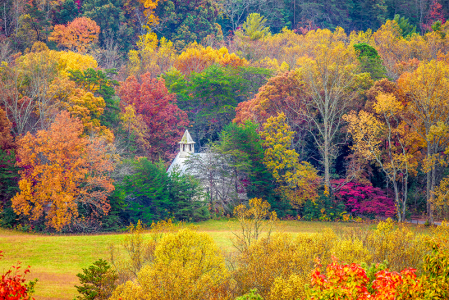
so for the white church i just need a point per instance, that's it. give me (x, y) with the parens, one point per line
(186, 149)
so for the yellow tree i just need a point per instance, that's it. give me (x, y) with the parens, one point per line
(329, 79)
(60, 171)
(427, 112)
(152, 55)
(296, 181)
(382, 137)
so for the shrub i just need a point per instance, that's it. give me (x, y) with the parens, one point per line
(343, 281)
(187, 265)
(97, 282)
(361, 199)
(13, 284)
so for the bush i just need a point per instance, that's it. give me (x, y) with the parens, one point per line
(361, 199)
(97, 282)
(187, 265)
(13, 284)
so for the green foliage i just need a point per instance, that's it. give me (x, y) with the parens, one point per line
(147, 196)
(184, 22)
(243, 145)
(113, 20)
(210, 97)
(153, 195)
(407, 29)
(185, 193)
(97, 281)
(65, 12)
(370, 61)
(323, 209)
(254, 28)
(252, 295)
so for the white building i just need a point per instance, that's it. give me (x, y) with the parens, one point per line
(186, 149)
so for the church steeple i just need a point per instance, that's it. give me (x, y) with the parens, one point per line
(187, 145)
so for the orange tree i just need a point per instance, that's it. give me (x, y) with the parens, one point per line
(62, 171)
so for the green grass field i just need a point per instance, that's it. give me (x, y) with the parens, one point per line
(56, 259)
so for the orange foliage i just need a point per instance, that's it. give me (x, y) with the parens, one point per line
(351, 282)
(77, 35)
(61, 169)
(282, 94)
(6, 140)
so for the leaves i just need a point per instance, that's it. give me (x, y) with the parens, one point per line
(62, 170)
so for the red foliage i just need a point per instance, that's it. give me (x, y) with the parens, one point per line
(351, 282)
(166, 122)
(12, 284)
(364, 199)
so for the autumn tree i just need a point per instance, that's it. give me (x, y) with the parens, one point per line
(159, 111)
(427, 112)
(385, 139)
(210, 97)
(78, 35)
(62, 172)
(152, 55)
(329, 79)
(296, 181)
(196, 58)
(8, 170)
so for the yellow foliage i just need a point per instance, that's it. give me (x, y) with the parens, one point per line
(297, 181)
(196, 58)
(188, 265)
(152, 55)
(253, 220)
(397, 245)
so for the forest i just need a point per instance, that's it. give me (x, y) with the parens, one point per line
(328, 112)
(309, 112)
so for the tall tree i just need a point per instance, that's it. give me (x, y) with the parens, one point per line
(61, 172)
(428, 114)
(384, 138)
(296, 181)
(165, 121)
(78, 35)
(329, 80)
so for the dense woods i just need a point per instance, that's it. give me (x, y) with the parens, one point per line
(328, 111)
(297, 110)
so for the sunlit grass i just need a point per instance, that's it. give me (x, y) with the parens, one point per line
(56, 259)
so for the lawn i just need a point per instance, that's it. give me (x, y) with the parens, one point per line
(56, 259)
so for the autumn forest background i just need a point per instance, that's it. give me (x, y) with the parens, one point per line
(303, 110)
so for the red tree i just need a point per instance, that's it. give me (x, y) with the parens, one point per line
(165, 121)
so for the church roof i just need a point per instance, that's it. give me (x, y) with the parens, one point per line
(186, 138)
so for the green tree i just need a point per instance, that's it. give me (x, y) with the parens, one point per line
(210, 97)
(254, 28)
(184, 22)
(244, 146)
(370, 61)
(186, 194)
(147, 195)
(407, 29)
(97, 281)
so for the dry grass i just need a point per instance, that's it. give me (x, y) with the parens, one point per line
(55, 260)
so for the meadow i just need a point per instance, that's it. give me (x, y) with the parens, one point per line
(56, 259)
